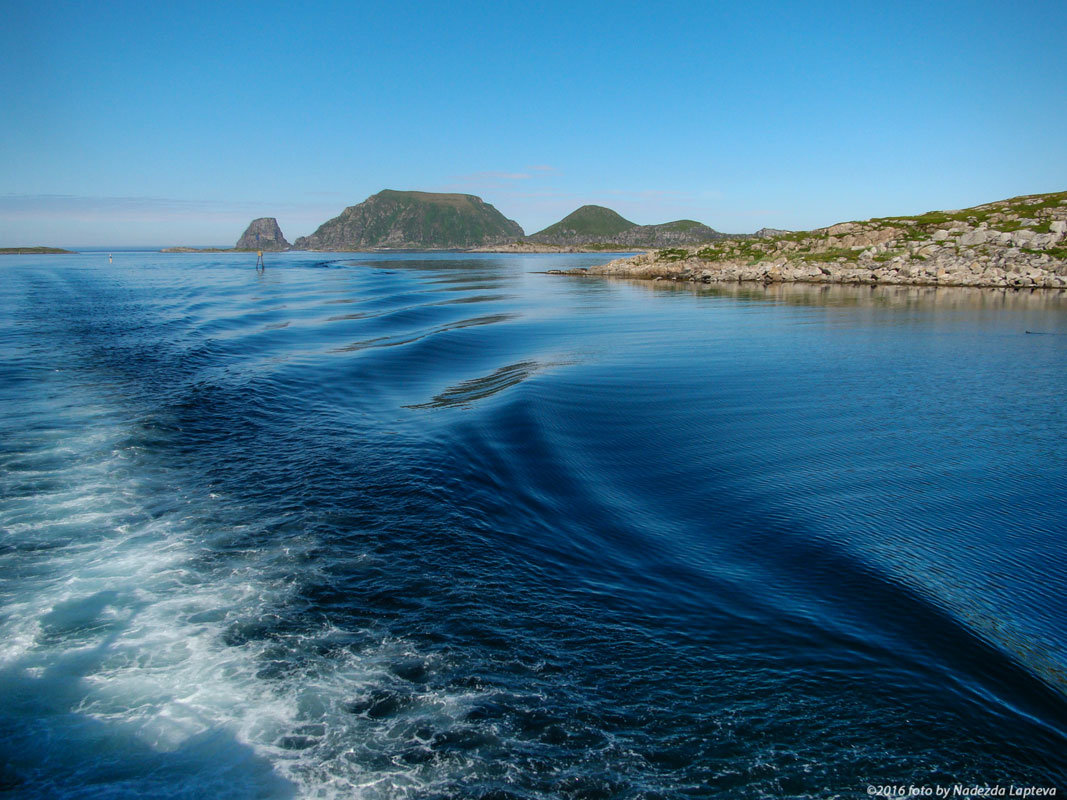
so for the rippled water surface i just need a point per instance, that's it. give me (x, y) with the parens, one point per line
(429, 526)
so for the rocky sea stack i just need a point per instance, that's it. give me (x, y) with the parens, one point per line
(596, 225)
(416, 221)
(262, 234)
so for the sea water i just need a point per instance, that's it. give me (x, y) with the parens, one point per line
(429, 526)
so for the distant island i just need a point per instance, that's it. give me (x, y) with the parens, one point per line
(410, 220)
(413, 221)
(34, 251)
(601, 228)
(1015, 243)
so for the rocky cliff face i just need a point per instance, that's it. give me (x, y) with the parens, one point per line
(1016, 243)
(414, 220)
(596, 225)
(262, 234)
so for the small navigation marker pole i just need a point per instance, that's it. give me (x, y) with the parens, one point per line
(259, 261)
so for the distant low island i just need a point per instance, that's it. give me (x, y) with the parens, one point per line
(34, 251)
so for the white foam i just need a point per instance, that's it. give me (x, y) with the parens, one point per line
(113, 641)
(98, 596)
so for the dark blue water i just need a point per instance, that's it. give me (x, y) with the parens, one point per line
(419, 526)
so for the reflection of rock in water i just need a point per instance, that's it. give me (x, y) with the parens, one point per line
(836, 294)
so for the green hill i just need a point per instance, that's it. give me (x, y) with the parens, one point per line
(413, 220)
(596, 225)
(681, 225)
(592, 223)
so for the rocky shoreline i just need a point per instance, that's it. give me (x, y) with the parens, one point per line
(201, 250)
(1017, 243)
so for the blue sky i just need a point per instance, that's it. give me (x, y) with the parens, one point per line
(177, 123)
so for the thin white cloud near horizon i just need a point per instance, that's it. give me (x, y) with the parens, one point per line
(66, 219)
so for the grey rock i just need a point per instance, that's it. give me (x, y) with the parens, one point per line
(262, 234)
(1043, 240)
(1022, 238)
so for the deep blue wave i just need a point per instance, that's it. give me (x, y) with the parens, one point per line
(447, 526)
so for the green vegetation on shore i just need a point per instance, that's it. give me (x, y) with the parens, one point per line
(1015, 243)
(992, 213)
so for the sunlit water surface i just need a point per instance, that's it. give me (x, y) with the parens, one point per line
(428, 526)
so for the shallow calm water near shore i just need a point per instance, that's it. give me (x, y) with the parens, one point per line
(430, 526)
